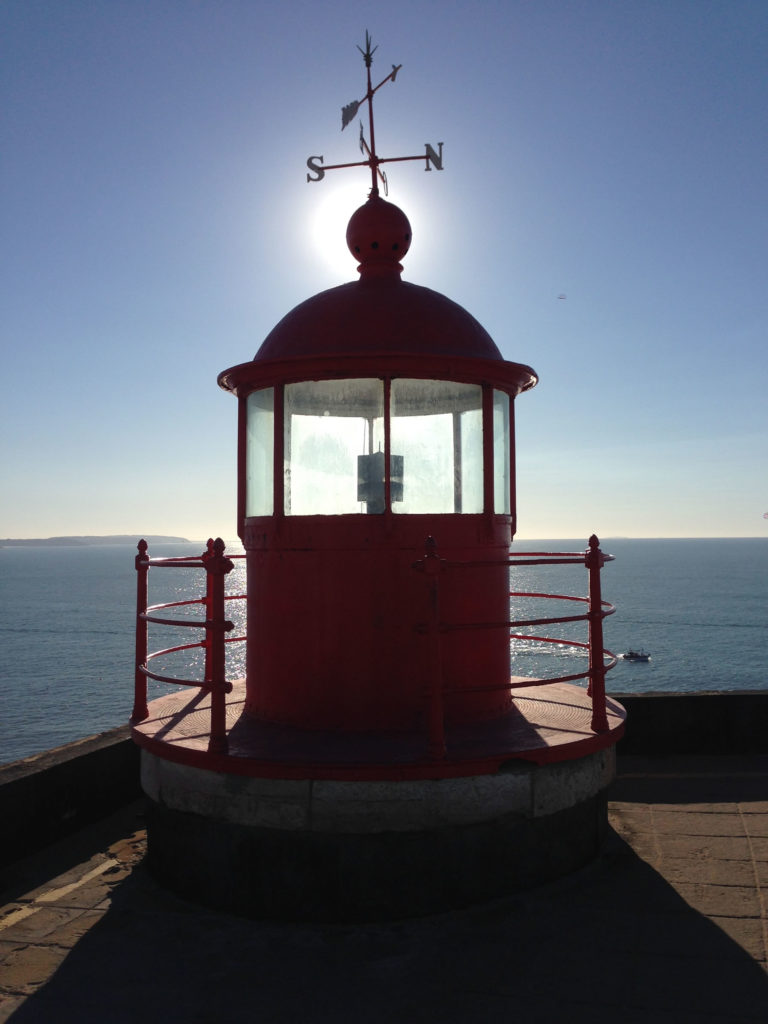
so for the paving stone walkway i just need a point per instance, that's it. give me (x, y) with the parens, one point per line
(669, 926)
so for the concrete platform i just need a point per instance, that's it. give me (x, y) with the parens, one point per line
(669, 926)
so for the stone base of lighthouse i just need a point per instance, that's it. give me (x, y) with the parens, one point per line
(338, 850)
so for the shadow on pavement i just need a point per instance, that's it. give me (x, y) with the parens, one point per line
(613, 943)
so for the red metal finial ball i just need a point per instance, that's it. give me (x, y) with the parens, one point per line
(379, 235)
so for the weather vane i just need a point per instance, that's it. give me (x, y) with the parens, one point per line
(431, 157)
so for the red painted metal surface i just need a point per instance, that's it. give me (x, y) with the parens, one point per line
(379, 235)
(433, 567)
(246, 377)
(346, 588)
(380, 314)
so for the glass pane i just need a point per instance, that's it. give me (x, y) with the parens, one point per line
(333, 432)
(259, 457)
(437, 432)
(501, 483)
(472, 459)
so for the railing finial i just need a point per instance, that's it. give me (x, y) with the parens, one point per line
(594, 556)
(142, 547)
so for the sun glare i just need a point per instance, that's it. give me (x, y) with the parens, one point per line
(329, 227)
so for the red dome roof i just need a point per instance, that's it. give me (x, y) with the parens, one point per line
(378, 314)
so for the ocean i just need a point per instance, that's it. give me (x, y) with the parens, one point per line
(67, 620)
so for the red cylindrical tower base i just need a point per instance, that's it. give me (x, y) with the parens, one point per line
(337, 618)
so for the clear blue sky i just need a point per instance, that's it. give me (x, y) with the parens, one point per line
(157, 223)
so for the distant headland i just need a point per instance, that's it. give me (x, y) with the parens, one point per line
(74, 542)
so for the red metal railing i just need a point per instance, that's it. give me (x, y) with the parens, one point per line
(217, 566)
(593, 558)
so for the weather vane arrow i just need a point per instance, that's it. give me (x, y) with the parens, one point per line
(432, 157)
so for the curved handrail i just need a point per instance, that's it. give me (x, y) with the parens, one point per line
(597, 609)
(216, 566)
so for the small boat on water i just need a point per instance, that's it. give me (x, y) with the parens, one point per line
(636, 656)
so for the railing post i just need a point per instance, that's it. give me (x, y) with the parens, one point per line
(432, 566)
(140, 710)
(216, 626)
(594, 561)
(208, 605)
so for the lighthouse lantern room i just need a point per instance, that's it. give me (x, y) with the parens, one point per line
(373, 415)
(379, 759)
